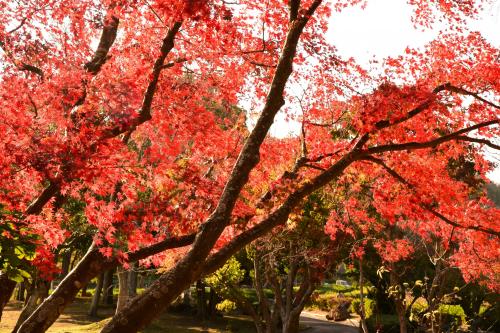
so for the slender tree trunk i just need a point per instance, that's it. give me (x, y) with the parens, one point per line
(66, 261)
(362, 299)
(97, 296)
(39, 292)
(247, 306)
(434, 296)
(212, 302)
(107, 293)
(20, 292)
(186, 299)
(399, 302)
(258, 281)
(273, 323)
(132, 280)
(291, 323)
(295, 301)
(7, 287)
(123, 288)
(84, 292)
(75, 261)
(201, 300)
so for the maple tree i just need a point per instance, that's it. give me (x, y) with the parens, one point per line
(130, 107)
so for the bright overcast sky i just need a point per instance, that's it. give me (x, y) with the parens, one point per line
(384, 28)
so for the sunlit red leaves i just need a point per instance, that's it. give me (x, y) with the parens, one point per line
(174, 167)
(44, 261)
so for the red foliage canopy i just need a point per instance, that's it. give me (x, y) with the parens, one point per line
(131, 107)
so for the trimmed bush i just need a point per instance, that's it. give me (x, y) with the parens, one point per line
(369, 307)
(226, 306)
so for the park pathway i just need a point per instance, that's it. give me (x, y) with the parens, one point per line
(315, 322)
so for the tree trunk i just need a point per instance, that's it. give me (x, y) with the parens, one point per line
(144, 308)
(39, 292)
(97, 296)
(123, 288)
(186, 299)
(89, 267)
(84, 292)
(399, 301)
(107, 293)
(295, 301)
(132, 280)
(46, 314)
(66, 261)
(247, 306)
(273, 323)
(362, 299)
(6, 289)
(20, 292)
(291, 323)
(201, 302)
(212, 302)
(434, 296)
(401, 312)
(258, 282)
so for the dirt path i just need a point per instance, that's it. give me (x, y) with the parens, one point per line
(315, 322)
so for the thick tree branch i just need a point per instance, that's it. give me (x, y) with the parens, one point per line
(166, 47)
(107, 39)
(249, 156)
(428, 144)
(188, 269)
(402, 180)
(108, 36)
(37, 205)
(428, 102)
(294, 6)
(417, 110)
(278, 216)
(91, 265)
(22, 66)
(32, 69)
(481, 141)
(463, 91)
(169, 243)
(145, 111)
(455, 224)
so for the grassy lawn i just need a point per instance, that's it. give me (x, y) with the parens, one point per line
(75, 320)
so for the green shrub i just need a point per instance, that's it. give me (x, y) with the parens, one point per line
(386, 323)
(418, 309)
(226, 306)
(321, 301)
(453, 310)
(369, 307)
(326, 301)
(452, 316)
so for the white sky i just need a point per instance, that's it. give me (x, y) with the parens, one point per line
(384, 28)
